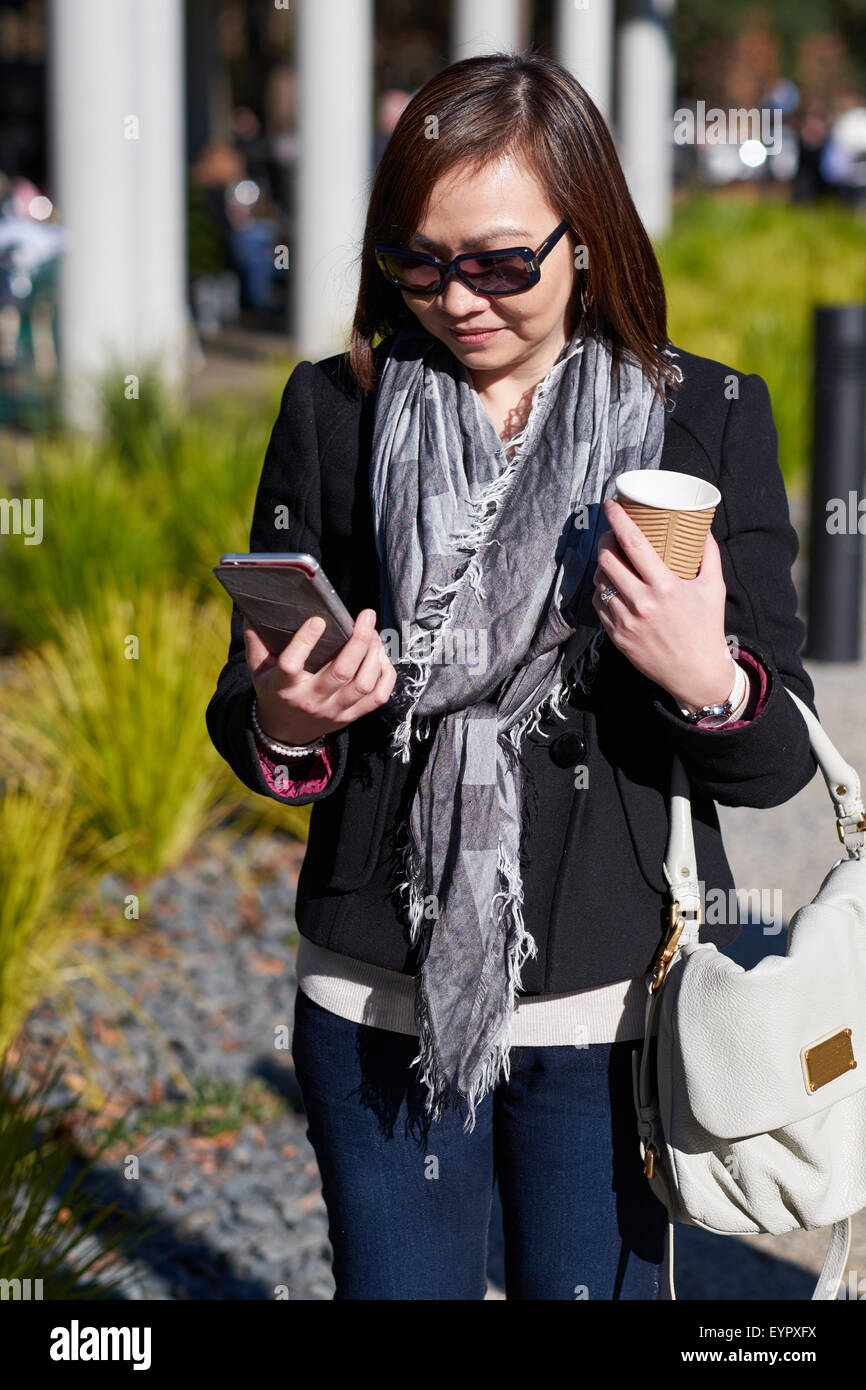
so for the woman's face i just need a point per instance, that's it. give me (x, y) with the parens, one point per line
(503, 205)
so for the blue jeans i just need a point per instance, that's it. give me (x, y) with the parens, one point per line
(409, 1200)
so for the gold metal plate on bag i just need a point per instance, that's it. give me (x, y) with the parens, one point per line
(826, 1060)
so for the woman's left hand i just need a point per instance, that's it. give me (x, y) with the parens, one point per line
(671, 629)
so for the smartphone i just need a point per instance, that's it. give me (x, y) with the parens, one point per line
(278, 592)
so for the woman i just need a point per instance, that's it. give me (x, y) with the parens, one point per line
(482, 893)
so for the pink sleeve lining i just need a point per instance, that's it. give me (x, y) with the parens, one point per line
(757, 699)
(318, 767)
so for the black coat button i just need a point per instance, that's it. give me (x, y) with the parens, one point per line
(568, 749)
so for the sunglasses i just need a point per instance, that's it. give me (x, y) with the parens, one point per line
(512, 270)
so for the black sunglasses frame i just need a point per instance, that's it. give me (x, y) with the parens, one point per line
(531, 258)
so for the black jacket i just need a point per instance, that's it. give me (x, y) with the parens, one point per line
(594, 892)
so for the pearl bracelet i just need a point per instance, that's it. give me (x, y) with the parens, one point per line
(284, 750)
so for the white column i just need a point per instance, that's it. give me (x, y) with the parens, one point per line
(161, 183)
(117, 153)
(486, 26)
(583, 43)
(334, 41)
(646, 108)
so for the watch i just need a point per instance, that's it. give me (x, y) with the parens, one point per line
(723, 711)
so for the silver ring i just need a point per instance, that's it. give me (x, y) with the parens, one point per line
(607, 593)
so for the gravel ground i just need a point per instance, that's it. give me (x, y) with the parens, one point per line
(240, 1211)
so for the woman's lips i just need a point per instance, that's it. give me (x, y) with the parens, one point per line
(477, 335)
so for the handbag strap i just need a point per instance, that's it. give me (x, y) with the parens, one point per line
(680, 864)
(829, 1279)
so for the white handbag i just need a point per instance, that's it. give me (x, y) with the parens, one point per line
(755, 1119)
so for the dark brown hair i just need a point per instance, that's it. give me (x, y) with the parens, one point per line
(530, 107)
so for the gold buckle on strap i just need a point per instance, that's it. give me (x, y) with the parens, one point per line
(666, 951)
(845, 825)
(649, 1163)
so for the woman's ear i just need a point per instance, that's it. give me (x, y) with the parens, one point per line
(578, 255)
(585, 296)
(575, 303)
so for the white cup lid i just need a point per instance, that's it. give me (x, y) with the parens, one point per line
(662, 487)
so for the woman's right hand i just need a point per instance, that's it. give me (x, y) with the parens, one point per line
(297, 706)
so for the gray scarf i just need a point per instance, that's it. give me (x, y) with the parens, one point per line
(482, 557)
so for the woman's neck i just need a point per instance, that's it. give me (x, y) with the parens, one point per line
(507, 382)
(507, 392)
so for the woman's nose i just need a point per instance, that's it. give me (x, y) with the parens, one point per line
(457, 298)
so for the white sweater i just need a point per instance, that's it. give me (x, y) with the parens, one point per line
(366, 993)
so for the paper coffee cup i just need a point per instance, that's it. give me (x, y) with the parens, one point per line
(674, 511)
